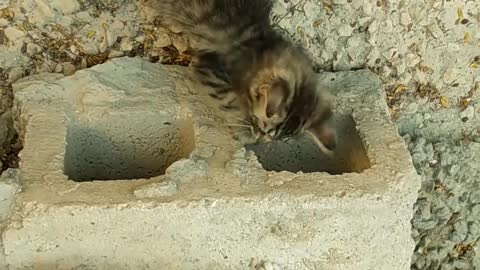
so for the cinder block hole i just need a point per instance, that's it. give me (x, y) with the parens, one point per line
(302, 154)
(125, 147)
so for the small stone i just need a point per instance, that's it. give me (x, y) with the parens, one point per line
(386, 26)
(4, 22)
(58, 68)
(13, 33)
(468, 113)
(4, 3)
(386, 71)
(391, 53)
(405, 78)
(475, 197)
(90, 48)
(451, 75)
(400, 65)
(411, 59)
(460, 231)
(180, 43)
(373, 56)
(373, 27)
(68, 68)
(345, 30)
(126, 45)
(412, 108)
(435, 30)
(9, 187)
(15, 74)
(65, 6)
(83, 16)
(405, 19)
(420, 77)
(163, 40)
(115, 54)
(425, 225)
(476, 211)
(311, 10)
(365, 20)
(341, 62)
(140, 39)
(33, 49)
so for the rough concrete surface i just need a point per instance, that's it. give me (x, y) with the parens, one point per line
(216, 208)
(425, 52)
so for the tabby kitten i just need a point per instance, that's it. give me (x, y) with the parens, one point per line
(248, 65)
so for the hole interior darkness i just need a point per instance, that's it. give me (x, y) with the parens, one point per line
(125, 147)
(302, 154)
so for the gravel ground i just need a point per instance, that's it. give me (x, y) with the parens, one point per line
(426, 52)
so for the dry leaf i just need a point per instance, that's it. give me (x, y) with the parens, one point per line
(91, 33)
(459, 14)
(444, 101)
(475, 62)
(400, 88)
(466, 38)
(466, 102)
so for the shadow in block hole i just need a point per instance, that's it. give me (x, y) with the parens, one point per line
(125, 147)
(302, 154)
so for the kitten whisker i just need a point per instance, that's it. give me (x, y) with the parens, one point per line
(239, 125)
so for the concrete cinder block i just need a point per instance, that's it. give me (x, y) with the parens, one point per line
(173, 190)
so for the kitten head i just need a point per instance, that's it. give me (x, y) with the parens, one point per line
(285, 99)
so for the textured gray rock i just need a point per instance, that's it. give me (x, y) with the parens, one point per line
(446, 220)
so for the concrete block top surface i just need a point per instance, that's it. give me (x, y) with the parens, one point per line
(132, 131)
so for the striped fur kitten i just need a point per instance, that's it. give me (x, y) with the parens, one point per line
(249, 65)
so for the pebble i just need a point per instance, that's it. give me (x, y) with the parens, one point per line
(126, 45)
(68, 68)
(475, 197)
(4, 22)
(476, 211)
(33, 49)
(450, 75)
(15, 74)
(65, 6)
(386, 26)
(163, 40)
(412, 108)
(405, 78)
(4, 3)
(13, 33)
(345, 30)
(405, 19)
(115, 54)
(90, 48)
(411, 59)
(83, 16)
(180, 43)
(435, 30)
(58, 68)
